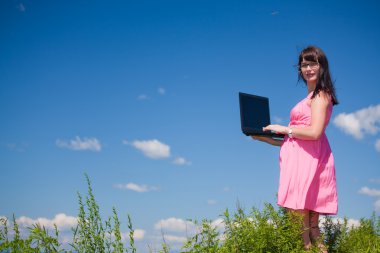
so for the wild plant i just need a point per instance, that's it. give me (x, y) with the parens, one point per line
(91, 235)
(206, 240)
(259, 231)
(38, 239)
(362, 238)
(131, 233)
(333, 232)
(262, 231)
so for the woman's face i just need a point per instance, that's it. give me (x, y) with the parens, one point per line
(310, 71)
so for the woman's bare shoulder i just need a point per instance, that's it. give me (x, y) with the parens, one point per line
(322, 97)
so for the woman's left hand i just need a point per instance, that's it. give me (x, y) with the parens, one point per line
(277, 129)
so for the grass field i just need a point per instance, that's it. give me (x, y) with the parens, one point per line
(262, 231)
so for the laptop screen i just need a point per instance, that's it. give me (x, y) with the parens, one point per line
(254, 111)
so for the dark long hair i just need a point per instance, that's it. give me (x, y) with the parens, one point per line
(324, 82)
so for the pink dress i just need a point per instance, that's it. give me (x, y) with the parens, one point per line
(307, 170)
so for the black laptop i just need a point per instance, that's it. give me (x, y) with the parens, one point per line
(254, 115)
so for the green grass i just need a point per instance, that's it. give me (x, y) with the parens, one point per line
(269, 230)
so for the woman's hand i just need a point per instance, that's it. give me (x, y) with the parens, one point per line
(278, 129)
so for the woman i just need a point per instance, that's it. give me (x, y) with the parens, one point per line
(307, 182)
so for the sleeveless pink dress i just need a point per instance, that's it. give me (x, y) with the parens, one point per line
(307, 170)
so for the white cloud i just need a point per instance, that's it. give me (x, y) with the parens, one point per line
(151, 148)
(182, 228)
(21, 7)
(63, 221)
(176, 231)
(377, 145)
(275, 13)
(277, 119)
(218, 223)
(17, 147)
(350, 222)
(364, 121)
(377, 205)
(175, 225)
(64, 224)
(370, 192)
(136, 187)
(138, 235)
(375, 180)
(181, 161)
(212, 202)
(175, 239)
(161, 91)
(142, 97)
(78, 144)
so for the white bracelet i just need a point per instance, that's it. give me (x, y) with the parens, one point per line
(290, 133)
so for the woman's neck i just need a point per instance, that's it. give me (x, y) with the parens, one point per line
(311, 87)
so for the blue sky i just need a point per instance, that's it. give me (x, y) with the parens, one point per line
(142, 96)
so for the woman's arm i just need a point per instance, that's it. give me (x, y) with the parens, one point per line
(268, 140)
(319, 106)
